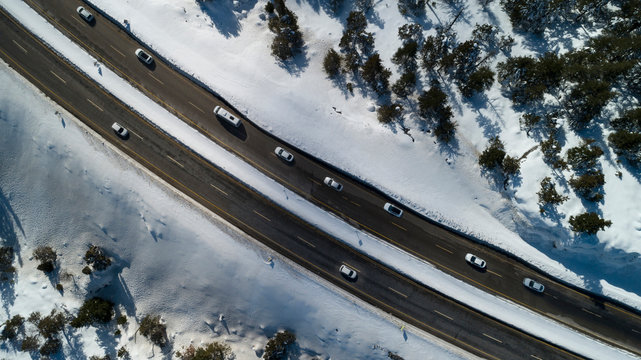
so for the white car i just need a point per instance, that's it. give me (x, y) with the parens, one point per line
(84, 14)
(144, 57)
(476, 261)
(225, 115)
(348, 272)
(120, 131)
(333, 184)
(283, 154)
(531, 284)
(393, 210)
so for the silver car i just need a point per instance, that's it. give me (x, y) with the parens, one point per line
(284, 154)
(144, 57)
(120, 131)
(476, 261)
(393, 210)
(84, 14)
(348, 272)
(333, 184)
(531, 284)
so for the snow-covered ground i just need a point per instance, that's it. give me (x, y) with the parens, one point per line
(226, 46)
(461, 176)
(61, 186)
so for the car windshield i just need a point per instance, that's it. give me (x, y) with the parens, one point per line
(394, 210)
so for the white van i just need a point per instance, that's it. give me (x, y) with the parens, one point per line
(225, 115)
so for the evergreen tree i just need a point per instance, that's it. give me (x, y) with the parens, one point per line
(154, 330)
(548, 194)
(11, 328)
(435, 48)
(511, 165)
(284, 23)
(405, 56)
(332, 63)
(589, 223)
(585, 156)
(94, 310)
(518, 76)
(211, 351)
(30, 343)
(97, 258)
(626, 144)
(549, 70)
(50, 347)
(410, 32)
(587, 185)
(528, 122)
(375, 75)
(630, 121)
(49, 326)
(492, 157)
(479, 81)
(405, 85)
(277, 347)
(586, 100)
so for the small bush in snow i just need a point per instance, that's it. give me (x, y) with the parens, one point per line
(394, 356)
(30, 344)
(94, 310)
(589, 223)
(389, 112)
(86, 270)
(96, 357)
(212, 351)
(276, 348)
(154, 330)
(123, 353)
(121, 320)
(11, 328)
(551, 148)
(548, 193)
(97, 258)
(47, 258)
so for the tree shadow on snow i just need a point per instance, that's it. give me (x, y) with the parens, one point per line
(8, 223)
(225, 15)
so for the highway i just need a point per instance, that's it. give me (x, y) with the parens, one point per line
(358, 204)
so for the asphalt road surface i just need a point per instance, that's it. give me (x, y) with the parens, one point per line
(358, 204)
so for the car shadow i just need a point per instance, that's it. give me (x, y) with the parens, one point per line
(240, 132)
